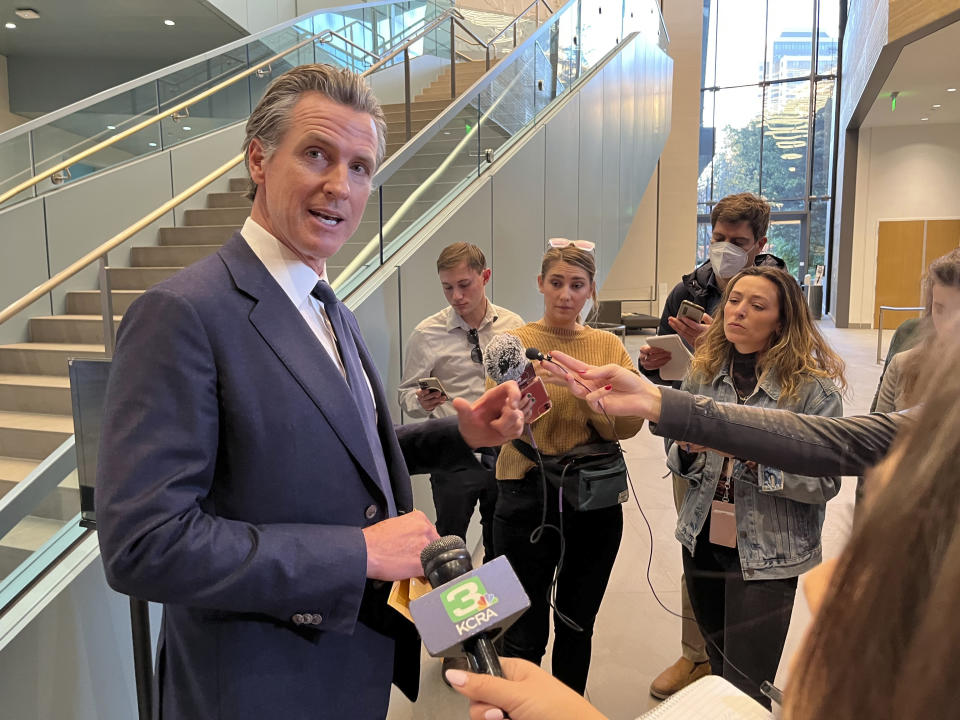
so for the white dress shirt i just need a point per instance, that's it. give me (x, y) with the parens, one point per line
(297, 280)
(438, 347)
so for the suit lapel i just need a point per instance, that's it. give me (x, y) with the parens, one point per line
(282, 327)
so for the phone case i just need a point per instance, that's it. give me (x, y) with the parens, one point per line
(530, 384)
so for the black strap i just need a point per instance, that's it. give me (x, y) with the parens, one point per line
(524, 449)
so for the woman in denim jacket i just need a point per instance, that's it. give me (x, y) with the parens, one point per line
(749, 531)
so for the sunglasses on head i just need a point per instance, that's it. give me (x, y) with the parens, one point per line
(585, 245)
(476, 354)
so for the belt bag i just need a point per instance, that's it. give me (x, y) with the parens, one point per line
(591, 477)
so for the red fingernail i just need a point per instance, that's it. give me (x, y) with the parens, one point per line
(581, 371)
(608, 387)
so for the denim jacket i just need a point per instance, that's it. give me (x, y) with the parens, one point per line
(779, 515)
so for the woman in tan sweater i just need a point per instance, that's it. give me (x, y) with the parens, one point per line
(590, 538)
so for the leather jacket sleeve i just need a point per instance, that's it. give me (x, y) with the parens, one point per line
(800, 444)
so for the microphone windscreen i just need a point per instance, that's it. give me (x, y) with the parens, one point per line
(504, 358)
(440, 546)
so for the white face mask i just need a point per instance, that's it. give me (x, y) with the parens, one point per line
(727, 259)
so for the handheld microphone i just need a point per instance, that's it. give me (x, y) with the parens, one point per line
(468, 608)
(505, 359)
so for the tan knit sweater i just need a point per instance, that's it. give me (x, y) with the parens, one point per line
(570, 422)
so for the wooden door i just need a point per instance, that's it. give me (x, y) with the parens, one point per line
(942, 237)
(899, 269)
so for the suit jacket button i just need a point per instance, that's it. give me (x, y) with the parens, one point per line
(316, 619)
(298, 619)
(370, 512)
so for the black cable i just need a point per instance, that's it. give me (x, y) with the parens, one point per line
(636, 500)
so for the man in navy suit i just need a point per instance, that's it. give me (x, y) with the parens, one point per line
(250, 476)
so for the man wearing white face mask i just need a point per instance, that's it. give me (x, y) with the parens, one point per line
(739, 234)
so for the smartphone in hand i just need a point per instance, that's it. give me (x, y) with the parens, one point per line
(691, 311)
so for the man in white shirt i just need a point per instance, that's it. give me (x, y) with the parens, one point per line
(250, 477)
(448, 346)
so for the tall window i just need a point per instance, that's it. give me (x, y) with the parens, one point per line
(766, 122)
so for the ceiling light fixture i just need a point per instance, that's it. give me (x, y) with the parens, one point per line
(152, 144)
(187, 127)
(924, 119)
(169, 23)
(26, 13)
(10, 26)
(936, 107)
(111, 127)
(951, 89)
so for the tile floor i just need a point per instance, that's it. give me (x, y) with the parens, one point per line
(635, 638)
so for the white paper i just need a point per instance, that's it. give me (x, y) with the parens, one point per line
(709, 698)
(680, 358)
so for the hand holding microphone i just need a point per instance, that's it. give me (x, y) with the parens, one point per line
(505, 359)
(468, 607)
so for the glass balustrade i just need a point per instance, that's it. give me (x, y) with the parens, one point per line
(354, 37)
(460, 145)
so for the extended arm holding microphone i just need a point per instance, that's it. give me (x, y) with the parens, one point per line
(801, 444)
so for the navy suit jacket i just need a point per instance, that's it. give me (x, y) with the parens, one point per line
(234, 480)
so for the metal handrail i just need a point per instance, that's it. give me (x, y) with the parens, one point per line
(519, 17)
(176, 67)
(880, 323)
(95, 254)
(351, 43)
(17, 189)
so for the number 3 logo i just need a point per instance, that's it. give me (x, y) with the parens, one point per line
(464, 599)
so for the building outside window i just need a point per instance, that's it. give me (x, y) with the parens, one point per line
(767, 119)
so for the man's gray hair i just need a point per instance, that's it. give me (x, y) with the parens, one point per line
(268, 121)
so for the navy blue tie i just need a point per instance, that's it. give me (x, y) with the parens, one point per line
(356, 379)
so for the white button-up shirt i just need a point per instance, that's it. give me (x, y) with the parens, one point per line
(297, 280)
(438, 347)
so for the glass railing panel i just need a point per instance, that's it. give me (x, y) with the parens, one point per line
(222, 108)
(63, 138)
(509, 103)
(15, 167)
(415, 191)
(599, 32)
(565, 32)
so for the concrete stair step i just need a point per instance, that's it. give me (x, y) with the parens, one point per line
(87, 302)
(69, 328)
(229, 200)
(30, 534)
(32, 435)
(11, 558)
(34, 394)
(216, 216)
(170, 255)
(43, 358)
(238, 184)
(139, 278)
(198, 234)
(13, 470)
(398, 108)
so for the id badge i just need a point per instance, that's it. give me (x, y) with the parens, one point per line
(723, 524)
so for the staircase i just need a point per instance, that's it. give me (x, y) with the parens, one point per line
(35, 405)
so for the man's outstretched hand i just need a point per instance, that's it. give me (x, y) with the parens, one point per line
(495, 418)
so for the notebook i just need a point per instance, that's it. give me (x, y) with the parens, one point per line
(709, 698)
